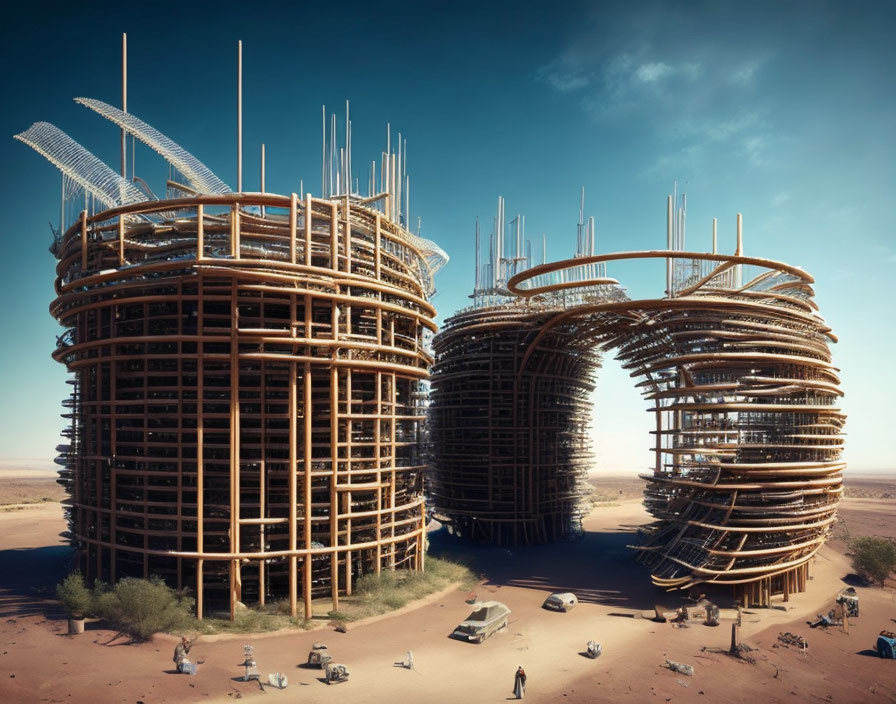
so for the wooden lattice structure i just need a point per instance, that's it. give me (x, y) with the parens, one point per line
(246, 402)
(736, 365)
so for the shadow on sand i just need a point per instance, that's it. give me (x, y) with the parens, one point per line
(598, 568)
(30, 576)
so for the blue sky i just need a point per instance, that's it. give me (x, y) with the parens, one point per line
(784, 111)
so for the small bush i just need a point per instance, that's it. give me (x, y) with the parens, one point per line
(874, 558)
(75, 596)
(391, 589)
(141, 608)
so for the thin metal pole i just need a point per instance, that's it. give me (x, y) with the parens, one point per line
(262, 176)
(124, 103)
(740, 235)
(669, 246)
(348, 154)
(239, 117)
(262, 168)
(62, 208)
(715, 225)
(581, 224)
(323, 151)
(476, 284)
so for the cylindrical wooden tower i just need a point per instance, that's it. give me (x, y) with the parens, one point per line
(246, 409)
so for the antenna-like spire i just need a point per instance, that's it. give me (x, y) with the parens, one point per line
(477, 282)
(124, 103)
(239, 116)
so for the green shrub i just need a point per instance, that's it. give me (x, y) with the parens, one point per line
(141, 608)
(874, 558)
(75, 596)
(391, 589)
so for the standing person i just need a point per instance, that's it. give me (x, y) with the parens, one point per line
(519, 683)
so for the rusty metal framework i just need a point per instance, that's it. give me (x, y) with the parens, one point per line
(736, 365)
(246, 402)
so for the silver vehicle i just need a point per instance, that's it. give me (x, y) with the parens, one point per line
(487, 618)
(560, 601)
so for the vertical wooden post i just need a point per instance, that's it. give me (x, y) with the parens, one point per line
(377, 443)
(235, 230)
(334, 483)
(235, 576)
(293, 518)
(306, 583)
(293, 220)
(334, 236)
(200, 439)
(377, 246)
(200, 232)
(392, 463)
(308, 223)
(83, 242)
(347, 234)
(180, 445)
(262, 489)
(348, 464)
(120, 240)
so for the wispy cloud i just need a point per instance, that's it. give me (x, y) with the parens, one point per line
(650, 73)
(564, 74)
(754, 149)
(744, 73)
(687, 95)
(780, 198)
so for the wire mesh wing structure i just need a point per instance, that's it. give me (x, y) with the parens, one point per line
(198, 174)
(80, 165)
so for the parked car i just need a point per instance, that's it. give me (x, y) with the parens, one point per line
(560, 601)
(488, 617)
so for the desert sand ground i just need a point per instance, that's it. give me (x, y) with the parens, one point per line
(39, 663)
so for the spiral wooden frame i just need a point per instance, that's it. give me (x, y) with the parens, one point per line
(247, 403)
(748, 435)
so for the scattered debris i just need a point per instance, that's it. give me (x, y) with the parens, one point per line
(593, 650)
(680, 667)
(336, 673)
(278, 680)
(824, 621)
(408, 663)
(794, 639)
(849, 599)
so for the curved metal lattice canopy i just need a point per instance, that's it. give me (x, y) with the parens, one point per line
(80, 165)
(198, 174)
